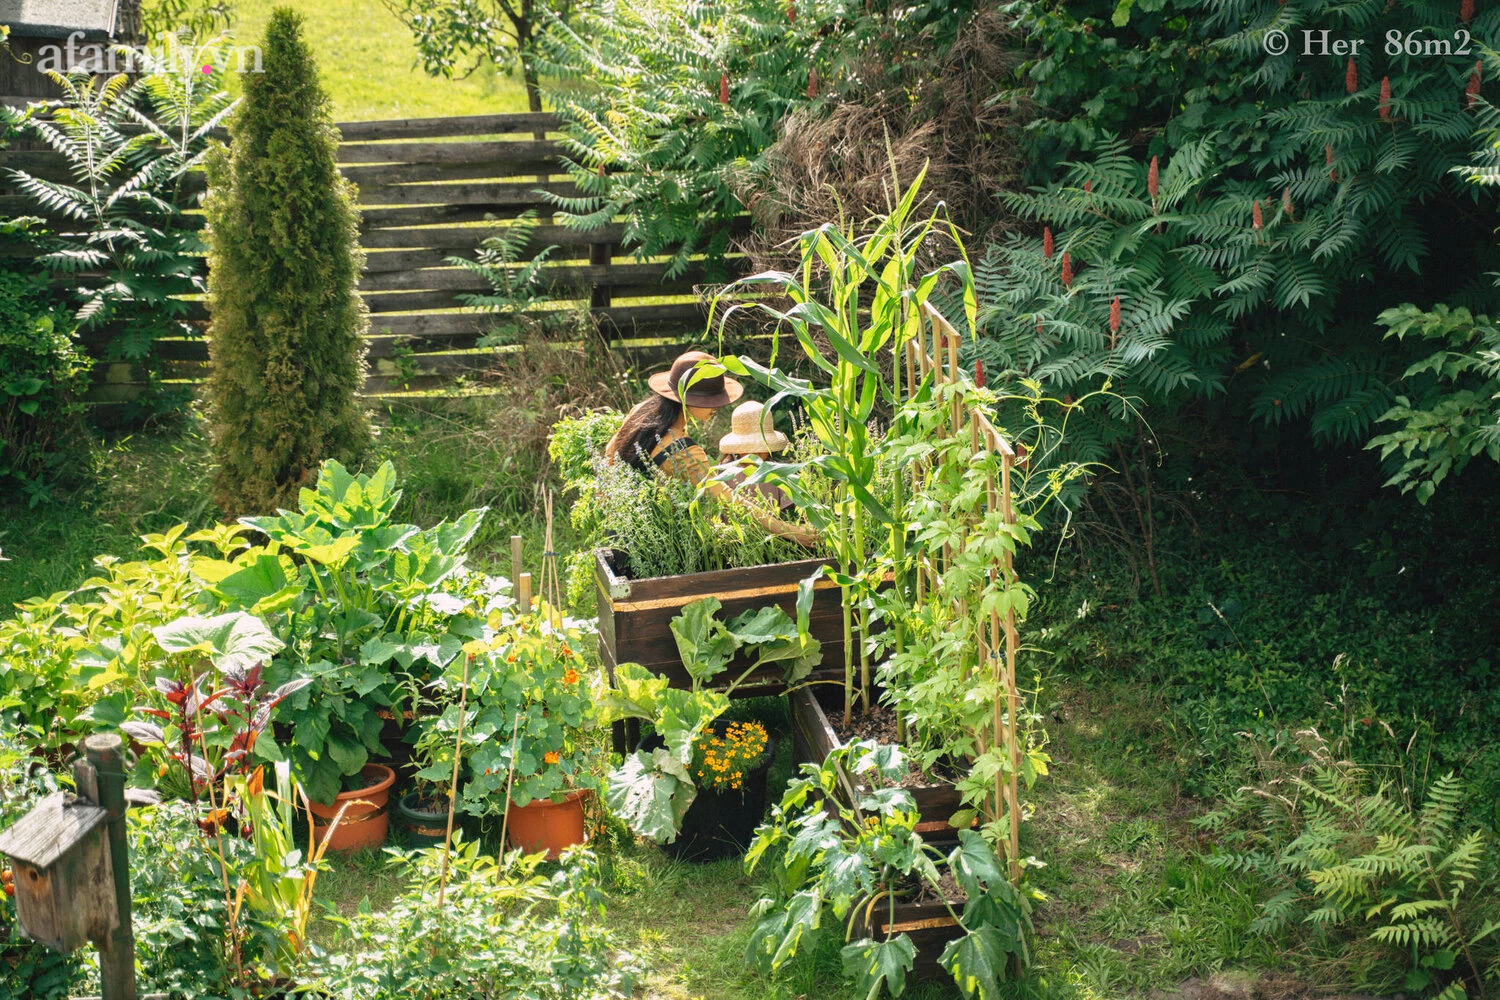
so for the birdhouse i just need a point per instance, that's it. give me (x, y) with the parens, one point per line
(65, 892)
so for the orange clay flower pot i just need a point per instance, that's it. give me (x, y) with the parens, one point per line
(548, 826)
(367, 818)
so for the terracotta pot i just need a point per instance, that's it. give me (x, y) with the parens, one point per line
(548, 826)
(367, 819)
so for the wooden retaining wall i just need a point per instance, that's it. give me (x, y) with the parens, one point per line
(430, 189)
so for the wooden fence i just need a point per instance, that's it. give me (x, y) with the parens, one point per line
(430, 189)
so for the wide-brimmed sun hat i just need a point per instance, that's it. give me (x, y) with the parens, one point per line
(712, 387)
(751, 432)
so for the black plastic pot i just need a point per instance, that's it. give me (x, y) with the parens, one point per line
(422, 828)
(721, 824)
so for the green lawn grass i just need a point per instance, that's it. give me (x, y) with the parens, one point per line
(368, 64)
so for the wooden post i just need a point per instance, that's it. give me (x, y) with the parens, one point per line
(523, 594)
(117, 956)
(600, 295)
(515, 566)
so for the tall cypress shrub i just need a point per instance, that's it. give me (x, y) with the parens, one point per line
(286, 335)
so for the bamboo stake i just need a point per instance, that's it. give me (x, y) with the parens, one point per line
(1013, 697)
(458, 746)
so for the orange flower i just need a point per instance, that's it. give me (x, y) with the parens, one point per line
(551, 757)
(571, 677)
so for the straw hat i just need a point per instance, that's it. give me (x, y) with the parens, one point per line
(750, 431)
(712, 389)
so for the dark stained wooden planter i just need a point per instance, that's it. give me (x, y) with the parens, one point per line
(635, 617)
(813, 739)
(929, 925)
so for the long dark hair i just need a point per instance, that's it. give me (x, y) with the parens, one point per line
(642, 430)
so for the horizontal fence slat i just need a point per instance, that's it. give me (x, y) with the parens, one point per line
(437, 128)
(519, 194)
(505, 151)
(421, 173)
(453, 238)
(460, 279)
(404, 260)
(425, 215)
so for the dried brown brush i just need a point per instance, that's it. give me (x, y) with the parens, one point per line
(835, 163)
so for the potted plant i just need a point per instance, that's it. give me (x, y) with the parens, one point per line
(528, 701)
(423, 810)
(655, 787)
(730, 763)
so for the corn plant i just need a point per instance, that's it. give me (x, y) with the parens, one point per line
(840, 277)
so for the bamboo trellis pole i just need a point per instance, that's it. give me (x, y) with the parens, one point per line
(990, 634)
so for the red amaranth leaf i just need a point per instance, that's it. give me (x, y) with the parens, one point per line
(1067, 270)
(1114, 315)
(1153, 179)
(1047, 247)
(1385, 98)
(1351, 77)
(723, 88)
(1471, 92)
(1256, 221)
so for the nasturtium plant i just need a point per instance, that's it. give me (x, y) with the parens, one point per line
(529, 700)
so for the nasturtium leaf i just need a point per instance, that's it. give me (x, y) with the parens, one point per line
(874, 964)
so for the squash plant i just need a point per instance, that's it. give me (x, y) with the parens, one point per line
(852, 858)
(652, 790)
(369, 609)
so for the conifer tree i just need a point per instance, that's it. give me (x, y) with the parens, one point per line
(286, 335)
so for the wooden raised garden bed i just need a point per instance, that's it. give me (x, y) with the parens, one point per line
(930, 925)
(635, 617)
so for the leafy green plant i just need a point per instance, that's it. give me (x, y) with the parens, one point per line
(529, 704)
(286, 336)
(371, 610)
(516, 280)
(652, 789)
(852, 859)
(1347, 861)
(46, 373)
(128, 149)
(1457, 416)
(839, 275)
(502, 930)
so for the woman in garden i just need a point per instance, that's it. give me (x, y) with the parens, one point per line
(655, 432)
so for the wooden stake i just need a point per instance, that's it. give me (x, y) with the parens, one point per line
(515, 560)
(523, 593)
(458, 746)
(117, 955)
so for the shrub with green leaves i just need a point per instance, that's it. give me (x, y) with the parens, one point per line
(286, 331)
(506, 930)
(43, 373)
(1211, 219)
